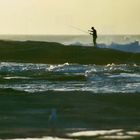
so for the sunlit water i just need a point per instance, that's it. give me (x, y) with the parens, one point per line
(34, 78)
(114, 134)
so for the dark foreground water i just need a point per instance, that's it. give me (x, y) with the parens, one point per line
(98, 79)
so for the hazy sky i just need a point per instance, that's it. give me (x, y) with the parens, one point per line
(57, 16)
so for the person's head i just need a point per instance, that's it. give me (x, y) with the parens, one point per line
(92, 28)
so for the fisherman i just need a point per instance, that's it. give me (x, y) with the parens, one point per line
(93, 32)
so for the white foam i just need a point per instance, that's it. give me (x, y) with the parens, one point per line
(134, 133)
(15, 77)
(94, 133)
(114, 137)
(53, 67)
(43, 138)
(126, 75)
(130, 47)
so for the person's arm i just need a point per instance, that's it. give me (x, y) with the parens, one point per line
(90, 31)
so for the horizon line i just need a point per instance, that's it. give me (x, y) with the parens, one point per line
(65, 34)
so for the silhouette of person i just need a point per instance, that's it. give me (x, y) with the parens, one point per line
(93, 32)
(53, 120)
(53, 116)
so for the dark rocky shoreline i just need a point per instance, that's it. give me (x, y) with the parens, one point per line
(55, 53)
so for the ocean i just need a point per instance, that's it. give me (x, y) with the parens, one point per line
(110, 78)
(70, 91)
(34, 78)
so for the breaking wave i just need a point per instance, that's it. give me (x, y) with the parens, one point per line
(128, 47)
(34, 78)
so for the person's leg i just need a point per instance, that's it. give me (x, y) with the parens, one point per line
(94, 42)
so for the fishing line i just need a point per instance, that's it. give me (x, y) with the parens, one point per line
(79, 29)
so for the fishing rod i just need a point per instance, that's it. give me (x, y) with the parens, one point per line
(79, 29)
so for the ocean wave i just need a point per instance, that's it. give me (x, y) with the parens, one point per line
(128, 47)
(97, 89)
(33, 78)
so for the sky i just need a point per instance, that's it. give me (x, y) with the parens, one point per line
(64, 16)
